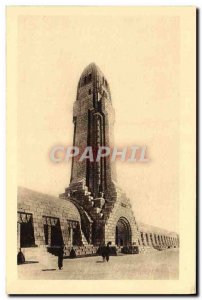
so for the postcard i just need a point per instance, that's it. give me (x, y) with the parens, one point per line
(101, 150)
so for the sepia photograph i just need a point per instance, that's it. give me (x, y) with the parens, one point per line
(101, 150)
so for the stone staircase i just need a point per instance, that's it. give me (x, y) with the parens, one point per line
(81, 251)
(97, 208)
(80, 193)
(83, 239)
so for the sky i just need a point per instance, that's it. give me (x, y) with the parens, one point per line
(140, 57)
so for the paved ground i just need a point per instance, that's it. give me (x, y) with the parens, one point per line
(154, 265)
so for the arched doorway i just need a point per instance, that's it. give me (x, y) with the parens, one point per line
(123, 232)
(52, 232)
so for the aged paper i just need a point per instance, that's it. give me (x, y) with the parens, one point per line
(101, 143)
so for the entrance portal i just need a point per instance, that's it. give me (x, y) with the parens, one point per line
(123, 232)
(25, 230)
(52, 232)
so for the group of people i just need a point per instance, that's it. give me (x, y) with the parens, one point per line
(104, 251)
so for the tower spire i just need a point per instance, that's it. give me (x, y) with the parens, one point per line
(93, 117)
(104, 209)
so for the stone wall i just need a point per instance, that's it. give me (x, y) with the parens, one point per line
(44, 207)
(41, 207)
(93, 117)
(121, 209)
(157, 238)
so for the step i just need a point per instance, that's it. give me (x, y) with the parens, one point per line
(82, 251)
(41, 255)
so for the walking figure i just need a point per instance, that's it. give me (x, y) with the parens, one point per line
(103, 252)
(106, 252)
(60, 258)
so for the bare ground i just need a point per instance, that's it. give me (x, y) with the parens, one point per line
(154, 265)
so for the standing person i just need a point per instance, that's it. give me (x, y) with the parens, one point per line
(72, 253)
(103, 252)
(60, 257)
(107, 251)
(20, 257)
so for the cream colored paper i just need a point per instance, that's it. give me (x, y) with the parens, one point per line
(80, 44)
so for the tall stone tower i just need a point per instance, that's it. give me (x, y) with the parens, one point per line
(93, 117)
(106, 213)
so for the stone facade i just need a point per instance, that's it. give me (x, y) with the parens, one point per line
(42, 211)
(46, 212)
(93, 118)
(93, 209)
(157, 238)
(93, 185)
